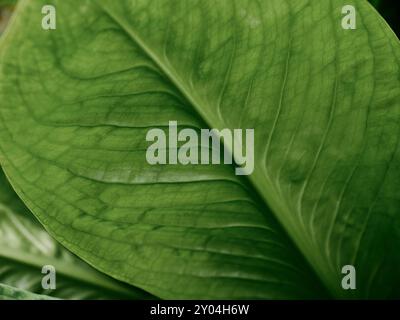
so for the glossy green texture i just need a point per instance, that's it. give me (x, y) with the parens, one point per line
(77, 102)
(25, 247)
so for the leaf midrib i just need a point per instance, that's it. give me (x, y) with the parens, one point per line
(261, 188)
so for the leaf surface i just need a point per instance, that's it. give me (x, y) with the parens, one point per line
(78, 101)
(25, 247)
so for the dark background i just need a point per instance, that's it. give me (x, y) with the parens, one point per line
(390, 10)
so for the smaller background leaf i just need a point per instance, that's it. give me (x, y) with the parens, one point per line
(11, 293)
(25, 247)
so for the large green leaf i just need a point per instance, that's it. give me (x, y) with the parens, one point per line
(25, 247)
(4, 3)
(77, 102)
(11, 293)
